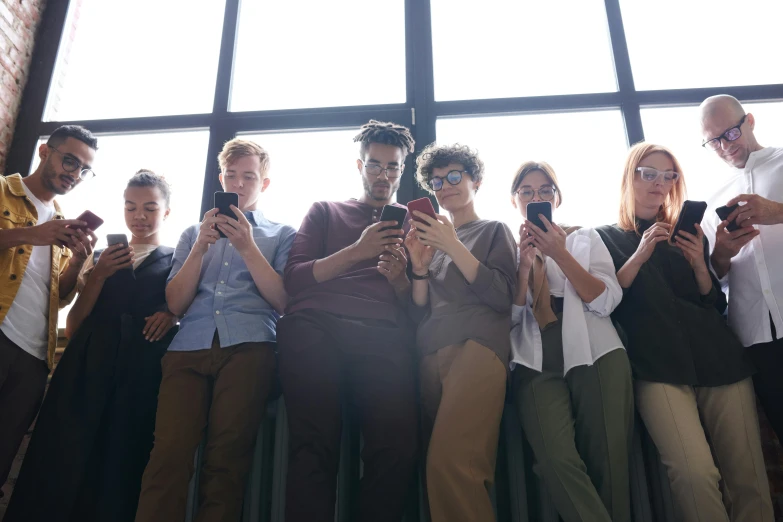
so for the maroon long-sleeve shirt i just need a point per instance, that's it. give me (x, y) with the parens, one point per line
(362, 291)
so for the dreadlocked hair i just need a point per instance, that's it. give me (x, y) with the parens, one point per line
(387, 133)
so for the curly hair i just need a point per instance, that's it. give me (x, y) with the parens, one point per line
(387, 133)
(147, 178)
(435, 156)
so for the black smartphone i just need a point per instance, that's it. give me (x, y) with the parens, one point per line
(117, 239)
(691, 213)
(536, 208)
(724, 212)
(223, 202)
(392, 213)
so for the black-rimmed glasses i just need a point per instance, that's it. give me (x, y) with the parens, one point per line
(374, 169)
(71, 164)
(454, 177)
(732, 134)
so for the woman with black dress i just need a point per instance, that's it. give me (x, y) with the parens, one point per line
(692, 381)
(94, 432)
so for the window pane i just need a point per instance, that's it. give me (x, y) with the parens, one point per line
(300, 54)
(118, 158)
(326, 172)
(499, 49)
(679, 128)
(703, 43)
(141, 58)
(586, 149)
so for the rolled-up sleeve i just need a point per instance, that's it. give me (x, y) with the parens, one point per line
(181, 253)
(496, 279)
(602, 268)
(283, 250)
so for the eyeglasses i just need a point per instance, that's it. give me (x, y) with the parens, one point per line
(652, 175)
(373, 169)
(732, 134)
(546, 193)
(454, 177)
(71, 164)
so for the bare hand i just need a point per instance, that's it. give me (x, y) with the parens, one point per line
(392, 265)
(421, 254)
(157, 325)
(438, 233)
(527, 250)
(82, 245)
(650, 239)
(239, 231)
(54, 232)
(207, 235)
(373, 241)
(551, 243)
(755, 210)
(114, 258)
(728, 244)
(692, 248)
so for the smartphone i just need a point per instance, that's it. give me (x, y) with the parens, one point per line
(392, 213)
(724, 212)
(93, 221)
(536, 208)
(223, 202)
(691, 213)
(117, 239)
(423, 205)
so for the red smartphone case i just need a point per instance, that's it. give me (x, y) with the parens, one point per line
(423, 205)
(93, 221)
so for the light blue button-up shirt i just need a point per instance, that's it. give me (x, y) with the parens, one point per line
(227, 299)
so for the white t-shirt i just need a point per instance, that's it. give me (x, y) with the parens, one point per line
(755, 279)
(27, 322)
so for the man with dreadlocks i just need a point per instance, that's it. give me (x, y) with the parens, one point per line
(345, 334)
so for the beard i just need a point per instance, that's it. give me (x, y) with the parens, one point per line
(49, 179)
(368, 190)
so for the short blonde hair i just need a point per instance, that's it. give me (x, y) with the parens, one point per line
(239, 148)
(540, 166)
(670, 209)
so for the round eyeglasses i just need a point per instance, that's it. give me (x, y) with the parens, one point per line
(545, 193)
(374, 169)
(71, 164)
(454, 177)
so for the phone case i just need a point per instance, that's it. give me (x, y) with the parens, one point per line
(724, 212)
(536, 208)
(93, 221)
(423, 205)
(223, 202)
(117, 239)
(692, 212)
(392, 213)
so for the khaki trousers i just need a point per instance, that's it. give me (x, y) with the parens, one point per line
(462, 392)
(674, 414)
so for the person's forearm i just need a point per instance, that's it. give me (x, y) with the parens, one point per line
(12, 238)
(335, 265)
(629, 271)
(587, 286)
(83, 305)
(402, 290)
(181, 290)
(523, 280)
(703, 280)
(68, 278)
(465, 261)
(420, 292)
(268, 282)
(720, 265)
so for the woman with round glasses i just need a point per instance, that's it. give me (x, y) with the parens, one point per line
(572, 378)
(692, 382)
(463, 282)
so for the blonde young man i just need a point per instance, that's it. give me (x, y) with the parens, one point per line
(219, 369)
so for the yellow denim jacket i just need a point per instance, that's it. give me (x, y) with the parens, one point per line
(17, 211)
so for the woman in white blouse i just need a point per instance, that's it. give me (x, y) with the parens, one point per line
(571, 379)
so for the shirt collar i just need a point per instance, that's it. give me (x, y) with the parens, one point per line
(17, 187)
(256, 217)
(757, 156)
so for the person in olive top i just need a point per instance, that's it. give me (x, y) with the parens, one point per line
(464, 271)
(345, 334)
(692, 381)
(572, 385)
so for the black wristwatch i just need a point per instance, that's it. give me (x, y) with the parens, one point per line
(420, 278)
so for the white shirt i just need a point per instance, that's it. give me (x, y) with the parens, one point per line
(755, 280)
(140, 254)
(27, 322)
(588, 332)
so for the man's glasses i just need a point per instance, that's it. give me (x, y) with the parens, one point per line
(545, 193)
(454, 177)
(732, 134)
(652, 175)
(374, 169)
(71, 164)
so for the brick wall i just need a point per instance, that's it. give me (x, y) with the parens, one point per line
(19, 20)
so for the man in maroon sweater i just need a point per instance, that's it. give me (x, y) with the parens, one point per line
(345, 334)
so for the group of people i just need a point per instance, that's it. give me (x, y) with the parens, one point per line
(425, 327)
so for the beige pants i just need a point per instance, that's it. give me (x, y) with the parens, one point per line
(674, 416)
(462, 392)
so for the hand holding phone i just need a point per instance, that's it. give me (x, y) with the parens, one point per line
(691, 214)
(93, 221)
(724, 212)
(223, 202)
(393, 213)
(423, 205)
(118, 256)
(534, 209)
